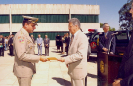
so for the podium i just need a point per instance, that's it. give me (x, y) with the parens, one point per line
(108, 66)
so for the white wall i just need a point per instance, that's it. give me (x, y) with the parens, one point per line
(49, 9)
(48, 27)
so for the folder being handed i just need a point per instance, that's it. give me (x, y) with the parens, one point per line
(52, 58)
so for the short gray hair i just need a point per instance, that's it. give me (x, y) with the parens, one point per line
(104, 24)
(74, 21)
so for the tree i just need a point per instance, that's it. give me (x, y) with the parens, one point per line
(101, 25)
(125, 18)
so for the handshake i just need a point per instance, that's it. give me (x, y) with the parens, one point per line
(44, 59)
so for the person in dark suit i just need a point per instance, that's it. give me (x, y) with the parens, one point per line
(107, 40)
(125, 74)
(33, 39)
(58, 42)
(46, 45)
(1, 46)
(11, 44)
(67, 40)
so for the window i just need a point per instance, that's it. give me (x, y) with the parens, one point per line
(43, 18)
(86, 18)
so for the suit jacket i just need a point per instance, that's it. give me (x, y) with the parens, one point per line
(126, 67)
(77, 57)
(105, 42)
(10, 42)
(58, 40)
(24, 63)
(67, 40)
(46, 42)
(2, 42)
(39, 41)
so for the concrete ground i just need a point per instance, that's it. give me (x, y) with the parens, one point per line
(50, 73)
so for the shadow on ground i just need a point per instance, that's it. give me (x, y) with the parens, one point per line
(54, 48)
(42, 54)
(56, 51)
(92, 59)
(60, 81)
(63, 55)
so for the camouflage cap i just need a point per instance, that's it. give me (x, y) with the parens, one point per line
(31, 19)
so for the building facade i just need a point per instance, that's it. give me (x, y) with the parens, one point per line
(53, 18)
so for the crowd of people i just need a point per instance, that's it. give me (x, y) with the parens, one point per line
(62, 43)
(46, 43)
(75, 48)
(6, 43)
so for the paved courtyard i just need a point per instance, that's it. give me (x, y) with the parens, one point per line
(50, 73)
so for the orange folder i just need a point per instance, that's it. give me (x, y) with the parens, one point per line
(52, 58)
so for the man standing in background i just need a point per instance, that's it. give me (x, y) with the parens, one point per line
(46, 45)
(1, 46)
(11, 44)
(6, 43)
(39, 44)
(58, 42)
(67, 40)
(33, 39)
(107, 41)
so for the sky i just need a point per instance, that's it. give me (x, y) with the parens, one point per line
(108, 8)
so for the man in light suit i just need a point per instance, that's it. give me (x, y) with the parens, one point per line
(46, 45)
(76, 60)
(39, 44)
(25, 58)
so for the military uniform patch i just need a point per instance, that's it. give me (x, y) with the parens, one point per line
(29, 42)
(21, 39)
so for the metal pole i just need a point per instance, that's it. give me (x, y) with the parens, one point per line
(69, 13)
(86, 81)
(10, 16)
(70, 18)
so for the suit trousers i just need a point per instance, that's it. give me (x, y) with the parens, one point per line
(24, 81)
(47, 51)
(67, 49)
(11, 50)
(39, 50)
(2, 51)
(80, 82)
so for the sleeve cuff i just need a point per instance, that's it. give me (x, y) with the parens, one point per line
(67, 60)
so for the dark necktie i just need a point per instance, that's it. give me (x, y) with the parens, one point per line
(71, 39)
(105, 35)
